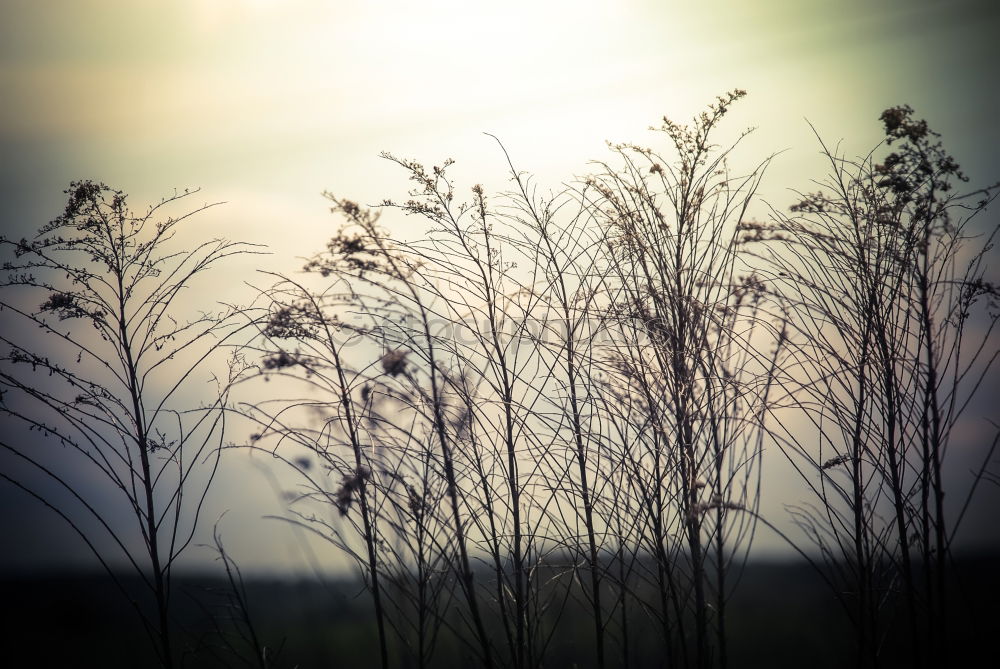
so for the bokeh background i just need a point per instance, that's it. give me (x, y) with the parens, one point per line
(263, 104)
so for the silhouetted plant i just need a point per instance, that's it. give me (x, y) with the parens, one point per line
(330, 425)
(104, 383)
(236, 639)
(688, 370)
(553, 387)
(891, 323)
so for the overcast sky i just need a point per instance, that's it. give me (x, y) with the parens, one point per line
(263, 104)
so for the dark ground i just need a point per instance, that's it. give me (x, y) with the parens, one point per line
(782, 615)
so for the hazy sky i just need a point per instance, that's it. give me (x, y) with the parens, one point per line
(265, 103)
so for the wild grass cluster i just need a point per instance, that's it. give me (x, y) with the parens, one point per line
(545, 404)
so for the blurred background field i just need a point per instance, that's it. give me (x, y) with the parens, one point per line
(782, 615)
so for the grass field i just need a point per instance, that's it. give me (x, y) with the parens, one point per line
(781, 616)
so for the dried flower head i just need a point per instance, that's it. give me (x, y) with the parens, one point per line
(394, 362)
(344, 496)
(833, 462)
